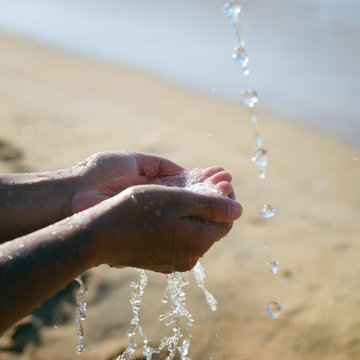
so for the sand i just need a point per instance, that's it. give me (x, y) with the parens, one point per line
(57, 109)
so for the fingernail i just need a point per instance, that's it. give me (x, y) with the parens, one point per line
(234, 210)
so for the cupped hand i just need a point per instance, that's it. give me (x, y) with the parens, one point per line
(160, 228)
(106, 174)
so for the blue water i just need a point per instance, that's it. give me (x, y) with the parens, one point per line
(304, 54)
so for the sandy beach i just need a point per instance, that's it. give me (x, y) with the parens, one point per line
(56, 109)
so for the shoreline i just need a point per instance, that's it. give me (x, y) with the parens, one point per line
(294, 75)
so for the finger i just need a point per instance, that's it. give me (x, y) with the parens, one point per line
(213, 208)
(220, 176)
(231, 195)
(225, 188)
(211, 171)
(153, 166)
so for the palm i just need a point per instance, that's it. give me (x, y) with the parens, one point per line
(106, 174)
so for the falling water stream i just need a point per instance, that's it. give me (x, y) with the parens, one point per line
(80, 313)
(232, 10)
(174, 293)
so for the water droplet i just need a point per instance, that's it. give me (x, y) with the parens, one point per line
(249, 97)
(355, 158)
(79, 348)
(267, 211)
(10, 257)
(133, 198)
(273, 266)
(232, 10)
(253, 119)
(209, 134)
(55, 326)
(261, 172)
(273, 308)
(258, 141)
(266, 246)
(245, 71)
(241, 57)
(260, 157)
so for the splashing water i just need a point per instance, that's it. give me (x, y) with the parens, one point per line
(174, 292)
(80, 314)
(135, 302)
(199, 273)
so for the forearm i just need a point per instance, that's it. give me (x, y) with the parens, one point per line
(36, 266)
(31, 201)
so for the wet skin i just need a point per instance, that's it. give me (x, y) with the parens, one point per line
(109, 209)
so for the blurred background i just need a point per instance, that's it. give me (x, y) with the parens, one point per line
(304, 54)
(82, 76)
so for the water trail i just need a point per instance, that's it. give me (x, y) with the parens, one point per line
(232, 10)
(135, 302)
(199, 273)
(174, 291)
(80, 314)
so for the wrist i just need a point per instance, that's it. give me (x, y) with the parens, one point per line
(35, 200)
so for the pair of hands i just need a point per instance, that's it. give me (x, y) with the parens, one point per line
(116, 208)
(137, 221)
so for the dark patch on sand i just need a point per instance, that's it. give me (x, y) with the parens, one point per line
(13, 157)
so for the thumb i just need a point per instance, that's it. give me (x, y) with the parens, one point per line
(217, 209)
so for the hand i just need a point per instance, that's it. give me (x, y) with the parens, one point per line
(160, 228)
(106, 174)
